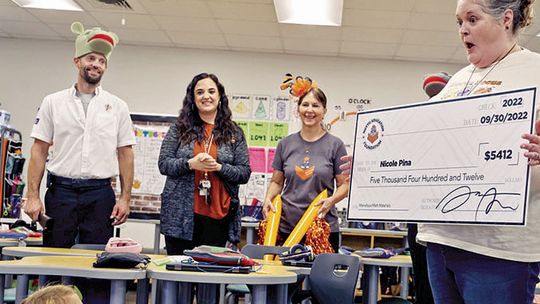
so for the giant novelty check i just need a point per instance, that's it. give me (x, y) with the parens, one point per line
(452, 161)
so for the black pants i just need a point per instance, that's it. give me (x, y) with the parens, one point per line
(206, 231)
(422, 289)
(81, 209)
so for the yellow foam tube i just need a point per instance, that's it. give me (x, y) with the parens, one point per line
(272, 226)
(303, 224)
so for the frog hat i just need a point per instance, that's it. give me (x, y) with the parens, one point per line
(93, 40)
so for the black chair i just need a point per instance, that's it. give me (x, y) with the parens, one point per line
(333, 278)
(255, 252)
(89, 246)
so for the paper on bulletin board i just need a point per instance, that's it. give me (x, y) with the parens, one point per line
(244, 126)
(258, 134)
(256, 186)
(270, 160)
(281, 108)
(261, 107)
(240, 105)
(277, 132)
(147, 178)
(257, 159)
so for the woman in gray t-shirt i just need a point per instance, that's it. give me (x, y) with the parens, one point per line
(305, 164)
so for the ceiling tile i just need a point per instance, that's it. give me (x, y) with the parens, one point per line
(424, 51)
(310, 31)
(243, 11)
(16, 13)
(254, 42)
(184, 8)
(197, 39)
(400, 5)
(374, 35)
(433, 22)
(202, 25)
(67, 17)
(248, 27)
(431, 38)
(137, 35)
(27, 29)
(386, 50)
(438, 6)
(311, 46)
(375, 19)
(137, 21)
(248, 1)
(7, 3)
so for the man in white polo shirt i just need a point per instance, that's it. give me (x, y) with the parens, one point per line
(87, 134)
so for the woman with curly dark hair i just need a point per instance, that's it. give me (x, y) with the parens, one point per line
(205, 158)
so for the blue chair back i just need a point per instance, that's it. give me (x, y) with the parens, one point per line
(333, 278)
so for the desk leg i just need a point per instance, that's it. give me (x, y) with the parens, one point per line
(2, 279)
(168, 292)
(404, 291)
(118, 291)
(277, 293)
(372, 272)
(250, 235)
(142, 291)
(157, 235)
(206, 293)
(185, 295)
(22, 288)
(258, 294)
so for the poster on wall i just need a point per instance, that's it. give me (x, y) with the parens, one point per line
(240, 105)
(261, 107)
(258, 134)
(147, 178)
(277, 132)
(281, 108)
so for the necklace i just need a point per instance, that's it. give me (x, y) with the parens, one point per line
(484, 77)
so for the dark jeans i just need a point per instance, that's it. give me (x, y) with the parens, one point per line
(458, 276)
(422, 289)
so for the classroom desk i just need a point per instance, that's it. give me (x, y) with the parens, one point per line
(266, 276)
(371, 269)
(21, 252)
(69, 266)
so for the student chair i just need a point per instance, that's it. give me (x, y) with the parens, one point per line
(333, 278)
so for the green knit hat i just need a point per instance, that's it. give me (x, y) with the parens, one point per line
(93, 40)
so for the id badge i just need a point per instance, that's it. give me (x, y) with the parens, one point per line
(205, 184)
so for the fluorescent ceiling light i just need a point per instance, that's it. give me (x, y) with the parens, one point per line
(65, 5)
(315, 12)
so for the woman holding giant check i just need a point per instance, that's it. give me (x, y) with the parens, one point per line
(490, 264)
